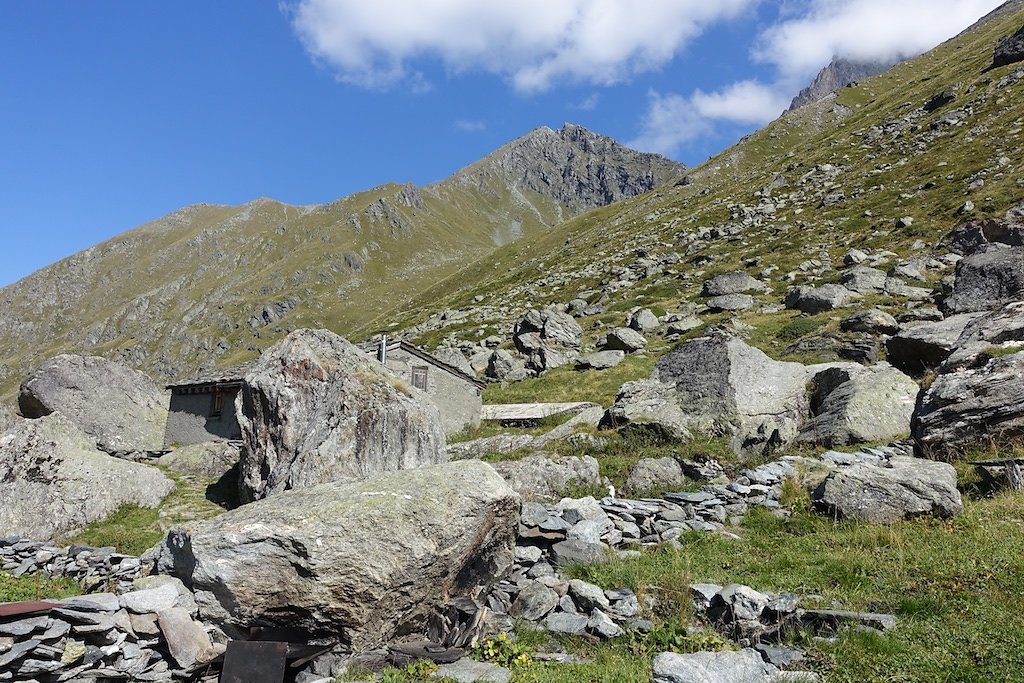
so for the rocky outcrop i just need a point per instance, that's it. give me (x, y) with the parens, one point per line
(860, 405)
(1010, 49)
(544, 476)
(315, 409)
(364, 561)
(839, 73)
(119, 407)
(54, 482)
(7, 420)
(998, 332)
(972, 407)
(987, 280)
(899, 488)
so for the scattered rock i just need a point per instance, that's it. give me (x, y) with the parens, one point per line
(872, 321)
(737, 282)
(623, 339)
(902, 488)
(602, 360)
(317, 409)
(362, 560)
(119, 407)
(54, 482)
(549, 338)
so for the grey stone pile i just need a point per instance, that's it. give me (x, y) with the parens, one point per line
(90, 567)
(148, 634)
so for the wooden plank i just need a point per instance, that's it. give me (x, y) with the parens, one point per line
(25, 608)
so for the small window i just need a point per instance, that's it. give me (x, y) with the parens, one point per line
(419, 378)
(218, 404)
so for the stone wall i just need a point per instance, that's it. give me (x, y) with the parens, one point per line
(91, 567)
(458, 400)
(191, 419)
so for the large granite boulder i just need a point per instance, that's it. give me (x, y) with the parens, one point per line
(53, 481)
(119, 407)
(655, 474)
(622, 339)
(722, 382)
(997, 332)
(814, 300)
(364, 561)
(545, 476)
(900, 488)
(987, 280)
(314, 409)
(860, 405)
(915, 350)
(970, 407)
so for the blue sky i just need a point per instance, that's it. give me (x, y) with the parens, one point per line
(112, 114)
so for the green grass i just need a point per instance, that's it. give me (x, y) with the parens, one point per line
(16, 589)
(957, 588)
(563, 385)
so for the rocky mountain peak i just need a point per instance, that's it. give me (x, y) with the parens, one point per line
(839, 73)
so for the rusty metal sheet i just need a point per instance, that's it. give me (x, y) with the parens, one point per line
(25, 609)
(252, 661)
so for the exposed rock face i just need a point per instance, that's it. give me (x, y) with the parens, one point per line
(210, 460)
(973, 406)
(364, 560)
(916, 349)
(901, 489)
(543, 476)
(839, 73)
(316, 409)
(1010, 49)
(860, 406)
(54, 482)
(119, 407)
(987, 280)
(996, 332)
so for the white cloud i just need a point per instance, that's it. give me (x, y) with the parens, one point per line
(533, 43)
(589, 104)
(468, 126)
(864, 30)
(673, 120)
(810, 33)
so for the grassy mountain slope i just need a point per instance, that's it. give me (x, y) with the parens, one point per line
(209, 285)
(793, 197)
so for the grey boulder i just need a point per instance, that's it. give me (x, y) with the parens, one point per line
(601, 360)
(743, 666)
(966, 408)
(361, 560)
(550, 338)
(454, 358)
(917, 349)
(901, 488)
(53, 481)
(644, 320)
(651, 474)
(623, 339)
(315, 409)
(544, 477)
(872, 321)
(987, 280)
(860, 405)
(649, 406)
(730, 302)
(821, 299)
(736, 282)
(997, 332)
(121, 408)
(863, 280)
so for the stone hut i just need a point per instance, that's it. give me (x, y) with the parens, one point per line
(457, 395)
(203, 408)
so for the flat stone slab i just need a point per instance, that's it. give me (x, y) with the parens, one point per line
(530, 412)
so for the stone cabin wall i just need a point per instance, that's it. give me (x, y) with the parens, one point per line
(458, 400)
(192, 417)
